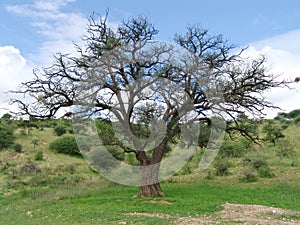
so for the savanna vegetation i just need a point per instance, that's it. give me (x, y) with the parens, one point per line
(40, 185)
(145, 97)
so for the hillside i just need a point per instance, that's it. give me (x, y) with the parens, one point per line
(38, 184)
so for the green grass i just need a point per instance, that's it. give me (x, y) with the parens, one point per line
(67, 191)
(107, 203)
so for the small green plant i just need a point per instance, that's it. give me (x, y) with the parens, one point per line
(222, 168)
(35, 142)
(265, 172)
(232, 149)
(209, 175)
(39, 156)
(17, 147)
(116, 152)
(249, 175)
(186, 169)
(285, 149)
(60, 130)
(71, 168)
(29, 168)
(258, 162)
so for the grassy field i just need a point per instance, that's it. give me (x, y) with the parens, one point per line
(107, 203)
(66, 191)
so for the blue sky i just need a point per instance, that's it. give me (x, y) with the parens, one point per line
(33, 30)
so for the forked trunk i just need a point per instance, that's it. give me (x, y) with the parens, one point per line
(150, 186)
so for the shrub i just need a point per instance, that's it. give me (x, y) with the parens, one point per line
(65, 145)
(35, 142)
(17, 147)
(60, 130)
(297, 120)
(131, 159)
(285, 149)
(265, 172)
(257, 163)
(249, 175)
(71, 168)
(116, 152)
(100, 159)
(29, 168)
(186, 170)
(231, 149)
(6, 136)
(39, 156)
(222, 168)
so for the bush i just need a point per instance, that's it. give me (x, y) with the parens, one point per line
(66, 145)
(265, 172)
(100, 160)
(6, 136)
(222, 168)
(231, 149)
(285, 149)
(17, 147)
(39, 156)
(60, 130)
(29, 168)
(257, 163)
(116, 152)
(249, 175)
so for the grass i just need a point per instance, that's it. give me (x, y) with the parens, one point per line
(66, 191)
(107, 203)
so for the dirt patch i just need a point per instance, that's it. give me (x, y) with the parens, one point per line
(151, 215)
(160, 202)
(236, 214)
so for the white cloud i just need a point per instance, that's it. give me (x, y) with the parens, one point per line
(13, 70)
(58, 28)
(283, 57)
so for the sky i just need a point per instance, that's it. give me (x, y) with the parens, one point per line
(32, 31)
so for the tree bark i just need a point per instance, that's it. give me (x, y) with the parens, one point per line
(150, 186)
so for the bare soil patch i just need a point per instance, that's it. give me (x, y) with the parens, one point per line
(160, 202)
(236, 214)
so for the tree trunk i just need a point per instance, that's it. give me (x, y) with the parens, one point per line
(150, 186)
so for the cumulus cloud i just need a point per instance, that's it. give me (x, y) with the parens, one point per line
(13, 70)
(58, 28)
(283, 57)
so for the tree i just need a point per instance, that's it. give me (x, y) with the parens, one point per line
(273, 131)
(124, 75)
(6, 134)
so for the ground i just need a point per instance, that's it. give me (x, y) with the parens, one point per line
(235, 214)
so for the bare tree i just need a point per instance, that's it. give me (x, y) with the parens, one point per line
(125, 75)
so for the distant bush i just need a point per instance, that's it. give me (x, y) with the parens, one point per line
(116, 152)
(258, 162)
(232, 149)
(297, 120)
(17, 147)
(29, 168)
(265, 172)
(35, 142)
(285, 149)
(6, 135)
(67, 145)
(60, 130)
(222, 168)
(39, 156)
(100, 159)
(249, 175)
